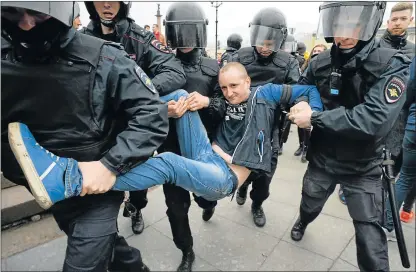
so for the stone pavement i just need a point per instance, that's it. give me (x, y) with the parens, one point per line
(231, 242)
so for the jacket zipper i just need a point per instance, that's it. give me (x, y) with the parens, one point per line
(251, 114)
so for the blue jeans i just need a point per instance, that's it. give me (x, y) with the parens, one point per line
(407, 178)
(200, 170)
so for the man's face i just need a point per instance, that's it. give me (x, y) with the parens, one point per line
(25, 19)
(154, 28)
(265, 49)
(234, 86)
(399, 21)
(147, 28)
(353, 34)
(77, 23)
(107, 10)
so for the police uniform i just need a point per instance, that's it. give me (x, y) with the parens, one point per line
(157, 61)
(72, 102)
(362, 92)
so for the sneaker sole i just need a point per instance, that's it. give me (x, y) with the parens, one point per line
(29, 170)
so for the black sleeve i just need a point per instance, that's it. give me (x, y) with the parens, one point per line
(135, 98)
(293, 73)
(167, 70)
(376, 116)
(307, 77)
(216, 108)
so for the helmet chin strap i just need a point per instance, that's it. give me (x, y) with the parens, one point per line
(108, 23)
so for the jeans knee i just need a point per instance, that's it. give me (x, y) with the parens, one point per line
(179, 93)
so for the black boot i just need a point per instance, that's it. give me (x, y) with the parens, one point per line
(304, 151)
(298, 230)
(242, 194)
(137, 223)
(188, 259)
(280, 152)
(207, 214)
(259, 217)
(298, 152)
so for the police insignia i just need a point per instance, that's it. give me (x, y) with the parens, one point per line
(145, 79)
(394, 89)
(159, 46)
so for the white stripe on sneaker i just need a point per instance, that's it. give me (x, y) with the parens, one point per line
(48, 170)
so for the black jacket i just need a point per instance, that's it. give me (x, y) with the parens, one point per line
(158, 62)
(349, 135)
(73, 104)
(398, 42)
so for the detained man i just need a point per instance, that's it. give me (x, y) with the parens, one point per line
(212, 171)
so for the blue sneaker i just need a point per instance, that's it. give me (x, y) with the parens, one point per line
(43, 170)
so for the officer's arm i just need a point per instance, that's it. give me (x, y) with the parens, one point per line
(274, 92)
(216, 108)
(293, 73)
(167, 70)
(376, 116)
(146, 117)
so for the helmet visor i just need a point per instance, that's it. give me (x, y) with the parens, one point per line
(267, 37)
(290, 47)
(357, 21)
(186, 35)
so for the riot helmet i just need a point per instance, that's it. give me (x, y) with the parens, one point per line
(354, 20)
(301, 48)
(268, 29)
(234, 41)
(290, 46)
(34, 28)
(186, 25)
(122, 13)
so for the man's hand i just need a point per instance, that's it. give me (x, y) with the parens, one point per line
(177, 109)
(197, 101)
(97, 179)
(300, 114)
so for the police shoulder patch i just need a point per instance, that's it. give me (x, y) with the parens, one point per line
(394, 89)
(159, 46)
(145, 79)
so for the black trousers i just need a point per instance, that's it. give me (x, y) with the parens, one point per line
(90, 222)
(304, 136)
(261, 183)
(138, 199)
(410, 200)
(364, 200)
(178, 201)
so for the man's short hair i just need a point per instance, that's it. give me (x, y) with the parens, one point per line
(156, 25)
(146, 26)
(235, 65)
(402, 6)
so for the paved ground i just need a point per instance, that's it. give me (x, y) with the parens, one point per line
(229, 241)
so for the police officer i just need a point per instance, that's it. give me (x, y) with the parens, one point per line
(290, 45)
(82, 98)
(301, 53)
(189, 37)
(110, 21)
(266, 63)
(233, 44)
(361, 86)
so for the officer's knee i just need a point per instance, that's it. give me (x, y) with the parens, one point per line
(363, 206)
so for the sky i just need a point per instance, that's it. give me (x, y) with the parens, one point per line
(234, 17)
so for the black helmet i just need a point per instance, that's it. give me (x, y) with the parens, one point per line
(342, 19)
(186, 25)
(234, 41)
(290, 45)
(52, 19)
(122, 13)
(269, 24)
(301, 48)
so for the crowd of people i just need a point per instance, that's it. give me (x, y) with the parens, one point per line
(90, 114)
